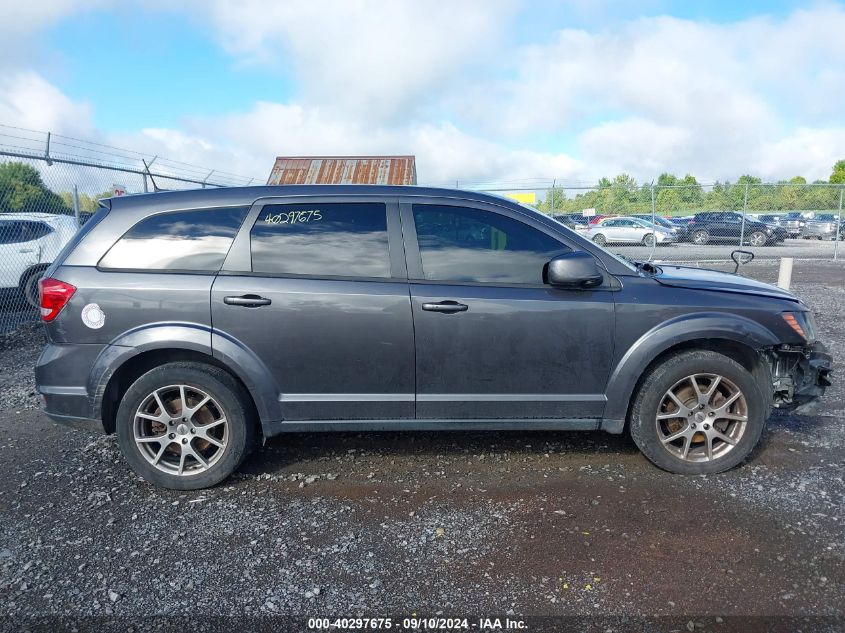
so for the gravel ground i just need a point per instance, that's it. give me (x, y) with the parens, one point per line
(469, 524)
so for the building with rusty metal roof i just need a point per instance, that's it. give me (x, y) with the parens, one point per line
(344, 170)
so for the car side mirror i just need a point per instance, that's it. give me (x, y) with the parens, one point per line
(574, 270)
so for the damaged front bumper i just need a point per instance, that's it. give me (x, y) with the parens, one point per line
(800, 376)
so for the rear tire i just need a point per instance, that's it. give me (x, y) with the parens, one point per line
(709, 437)
(216, 436)
(700, 237)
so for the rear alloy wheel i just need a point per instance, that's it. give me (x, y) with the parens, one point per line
(185, 425)
(757, 238)
(649, 240)
(700, 237)
(600, 239)
(697, 413)
(180, 429)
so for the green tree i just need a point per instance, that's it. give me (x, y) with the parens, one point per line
(23, 190)
(838, 175)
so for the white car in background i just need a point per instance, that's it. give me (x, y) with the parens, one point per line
(29, 242)
(628, 230)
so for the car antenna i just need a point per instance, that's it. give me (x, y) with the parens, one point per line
(156, 188)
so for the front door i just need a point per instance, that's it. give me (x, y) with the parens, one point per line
(492, 339)
(317, 290)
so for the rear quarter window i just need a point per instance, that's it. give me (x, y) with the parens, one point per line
(194, 240)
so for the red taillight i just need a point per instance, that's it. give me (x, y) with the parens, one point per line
(53, 295)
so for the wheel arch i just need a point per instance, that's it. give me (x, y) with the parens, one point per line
(734, 336)
(129, 357)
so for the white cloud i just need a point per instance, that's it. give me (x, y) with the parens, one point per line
(27, 100)
(442, 81)
(22, 20)
(377, 60)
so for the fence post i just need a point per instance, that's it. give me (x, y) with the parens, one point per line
(838, 225)
(47, 152)
(76, 205)
(653, 211)
(552, 204)
(744, 208)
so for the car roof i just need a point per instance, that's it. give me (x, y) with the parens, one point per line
(34, 216)
(236, 196)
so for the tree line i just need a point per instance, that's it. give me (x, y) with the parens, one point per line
(22, 190)
(681, 196)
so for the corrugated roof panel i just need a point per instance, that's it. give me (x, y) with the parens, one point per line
(336, 170)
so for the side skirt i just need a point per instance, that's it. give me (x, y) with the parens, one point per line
(277, 427)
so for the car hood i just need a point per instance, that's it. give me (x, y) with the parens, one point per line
(703, 279)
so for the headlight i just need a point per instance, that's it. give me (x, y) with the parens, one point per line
(803, 323)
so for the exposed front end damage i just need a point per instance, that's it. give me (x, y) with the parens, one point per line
(800, 375)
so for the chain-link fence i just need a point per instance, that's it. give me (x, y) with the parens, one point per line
(50, 185)
(697, 224)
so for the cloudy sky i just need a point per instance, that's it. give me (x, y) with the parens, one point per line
(487, 90)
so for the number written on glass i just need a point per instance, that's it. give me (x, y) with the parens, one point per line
(293, 217)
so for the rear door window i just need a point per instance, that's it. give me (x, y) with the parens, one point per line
(11, 232)
(181, 241)
(35, 230)
(322, 239)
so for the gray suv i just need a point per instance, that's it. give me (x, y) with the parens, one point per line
(193, 323)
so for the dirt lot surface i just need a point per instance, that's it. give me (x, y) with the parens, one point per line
(469, 524)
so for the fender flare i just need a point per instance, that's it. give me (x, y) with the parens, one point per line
(689, 327)
(183, 336)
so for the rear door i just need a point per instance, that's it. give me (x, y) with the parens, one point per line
(316, 289)
(493, 340)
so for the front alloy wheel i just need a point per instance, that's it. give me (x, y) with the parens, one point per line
(701, 417)
(697, 412)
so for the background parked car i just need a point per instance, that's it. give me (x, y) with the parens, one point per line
(794, 222)
(727, 226)
(668, 225)
(629, 231)
(823, 227)
(29, 242)
(574, 221)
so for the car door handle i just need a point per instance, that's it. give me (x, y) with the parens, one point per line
(445, 306)
(247, 301)
(27, 250)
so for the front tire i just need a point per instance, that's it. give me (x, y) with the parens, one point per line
(757, 238)
(649, 240)
(185, 426)
(600, 239)
(697, 413)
